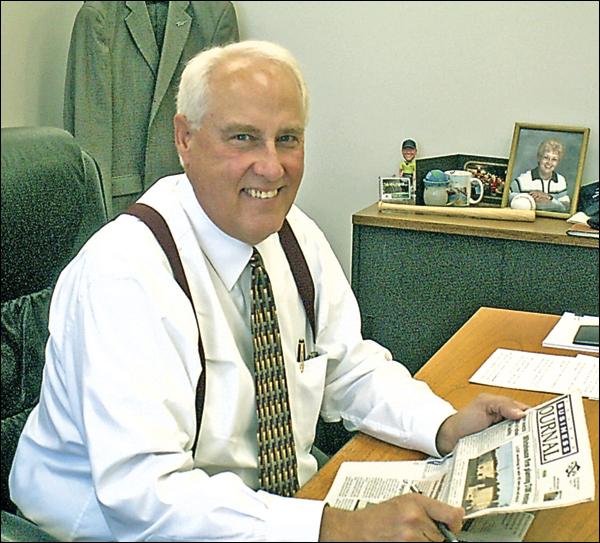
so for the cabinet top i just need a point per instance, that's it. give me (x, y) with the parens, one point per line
(542, 230)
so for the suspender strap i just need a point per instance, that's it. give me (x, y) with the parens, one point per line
(300, 270)
(157, 224)
(301, 273)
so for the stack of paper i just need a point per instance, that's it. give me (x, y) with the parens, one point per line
(561, 336)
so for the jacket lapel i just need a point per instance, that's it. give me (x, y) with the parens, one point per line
(179, 24)
(138, 23)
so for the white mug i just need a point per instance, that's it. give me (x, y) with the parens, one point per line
(463, 182)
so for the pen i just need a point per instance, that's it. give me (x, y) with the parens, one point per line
(448, 535)
(301, 354)
(441, 526)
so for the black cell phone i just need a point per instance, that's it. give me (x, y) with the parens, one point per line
(586, 335)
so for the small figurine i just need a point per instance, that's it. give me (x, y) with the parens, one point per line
(408, 168)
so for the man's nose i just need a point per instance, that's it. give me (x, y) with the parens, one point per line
(268, 163)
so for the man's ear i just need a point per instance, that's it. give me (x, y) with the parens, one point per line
(183, 136)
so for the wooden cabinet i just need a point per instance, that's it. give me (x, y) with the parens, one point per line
(418, 278)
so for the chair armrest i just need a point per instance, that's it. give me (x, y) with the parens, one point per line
(16, 528)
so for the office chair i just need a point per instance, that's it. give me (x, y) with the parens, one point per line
(52, 202)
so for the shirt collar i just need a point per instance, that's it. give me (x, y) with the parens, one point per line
(227, 255)
(535, 174)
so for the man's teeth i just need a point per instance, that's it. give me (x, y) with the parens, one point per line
(261, 194)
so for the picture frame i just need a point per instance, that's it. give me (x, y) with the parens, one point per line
(492, 173)
(397, 190)
(491, 170)
(564, 149)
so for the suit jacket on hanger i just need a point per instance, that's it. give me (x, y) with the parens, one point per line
(121, 87)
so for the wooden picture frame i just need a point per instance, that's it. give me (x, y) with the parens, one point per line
(538, 150)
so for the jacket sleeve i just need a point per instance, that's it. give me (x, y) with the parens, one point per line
(87, 112)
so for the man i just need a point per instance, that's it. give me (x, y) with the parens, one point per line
(109, 452)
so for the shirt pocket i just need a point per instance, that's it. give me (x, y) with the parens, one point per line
(309, 385)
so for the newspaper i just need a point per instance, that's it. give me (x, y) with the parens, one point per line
(540, 462)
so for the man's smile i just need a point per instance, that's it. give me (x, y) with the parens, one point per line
(263, 195)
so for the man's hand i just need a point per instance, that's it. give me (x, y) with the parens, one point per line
(404, 518)
(482, 412)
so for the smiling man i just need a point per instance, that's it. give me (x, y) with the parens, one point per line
(116, 448)
(245, 157)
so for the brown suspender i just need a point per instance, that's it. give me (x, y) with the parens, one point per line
(159, 227)
(300, 271)
(304, 283)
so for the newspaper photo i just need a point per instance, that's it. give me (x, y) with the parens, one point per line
(540, 462)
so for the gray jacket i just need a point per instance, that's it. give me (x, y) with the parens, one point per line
(124, 65)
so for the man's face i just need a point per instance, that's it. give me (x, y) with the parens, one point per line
(548, 163)
(246, 160)
(409, 154)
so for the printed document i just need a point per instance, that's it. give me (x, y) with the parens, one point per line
(540, 372)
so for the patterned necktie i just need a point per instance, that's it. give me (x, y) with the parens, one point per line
(278, 470)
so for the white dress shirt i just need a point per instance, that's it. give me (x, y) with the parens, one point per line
(107, 452)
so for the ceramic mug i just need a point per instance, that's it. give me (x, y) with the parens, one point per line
(465, 186)
(437, 189)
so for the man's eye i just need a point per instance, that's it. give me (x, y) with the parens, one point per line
(288, 140)
(242, 137)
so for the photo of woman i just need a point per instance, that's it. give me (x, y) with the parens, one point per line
(546, 162)
(543, 183)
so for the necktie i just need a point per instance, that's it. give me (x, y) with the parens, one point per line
(278, 471)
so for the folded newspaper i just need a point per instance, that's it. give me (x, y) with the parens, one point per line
(540, 462)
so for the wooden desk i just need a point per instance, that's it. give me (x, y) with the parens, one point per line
(448, 373)
(449, 267)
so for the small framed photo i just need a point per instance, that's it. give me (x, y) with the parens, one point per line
(492, 173)
(546, 162)
(397, 190)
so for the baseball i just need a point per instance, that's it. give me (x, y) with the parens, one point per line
(523, 201)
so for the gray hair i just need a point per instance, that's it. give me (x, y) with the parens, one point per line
(194, 89)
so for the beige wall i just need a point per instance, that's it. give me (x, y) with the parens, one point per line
(455, 76)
